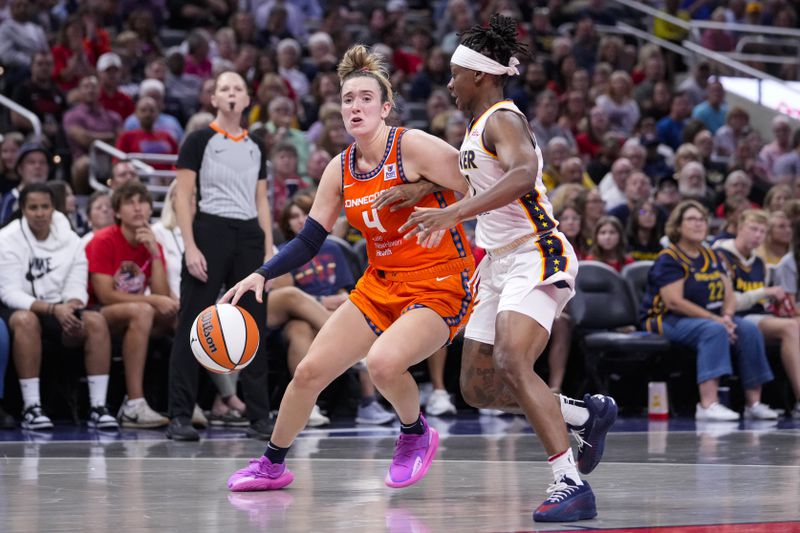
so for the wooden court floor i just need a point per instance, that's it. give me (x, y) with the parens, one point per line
(488, 476)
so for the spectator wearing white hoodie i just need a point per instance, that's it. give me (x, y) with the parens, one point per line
(43, 272)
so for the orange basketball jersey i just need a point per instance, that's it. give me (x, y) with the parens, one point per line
(386, 248)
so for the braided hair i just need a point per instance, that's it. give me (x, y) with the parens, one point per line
(498, 41)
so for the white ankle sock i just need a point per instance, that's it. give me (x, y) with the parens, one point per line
(135, 402)
(30, 391)
(563, 464)
(573, 411)
(98, 385)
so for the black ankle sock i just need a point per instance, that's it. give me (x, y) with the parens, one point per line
(413, 429)
(366, 400)
(275, 454)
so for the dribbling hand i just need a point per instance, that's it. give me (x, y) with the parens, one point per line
(254, 282)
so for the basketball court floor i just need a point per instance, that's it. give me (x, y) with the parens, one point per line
(488, 476)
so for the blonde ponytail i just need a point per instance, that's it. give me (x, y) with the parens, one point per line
(358, 61)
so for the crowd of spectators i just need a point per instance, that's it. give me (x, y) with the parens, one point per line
(628, 131)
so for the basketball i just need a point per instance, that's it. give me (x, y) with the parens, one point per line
(224, 338)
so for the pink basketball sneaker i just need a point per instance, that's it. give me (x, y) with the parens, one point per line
(261, 474)
(413, 455)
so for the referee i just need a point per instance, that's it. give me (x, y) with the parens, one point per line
(225, 240)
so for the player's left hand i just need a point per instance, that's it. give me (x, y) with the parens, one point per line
(426, 222)
(254, 282)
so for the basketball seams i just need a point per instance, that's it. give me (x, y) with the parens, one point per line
(244, 327)
(222, 334)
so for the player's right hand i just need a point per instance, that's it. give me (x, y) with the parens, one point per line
(196, 263)
(254, 282)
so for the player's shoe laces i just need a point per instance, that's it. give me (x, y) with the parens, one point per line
(34, 418)
(260, 474)
(413, 455)
(592, 435)
(567, 502)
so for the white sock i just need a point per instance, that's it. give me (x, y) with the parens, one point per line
(135, 402)
(563, 464)
(30, 391)
(573, 411)
(98, 385)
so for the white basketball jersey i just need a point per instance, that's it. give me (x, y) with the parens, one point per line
(532, 213)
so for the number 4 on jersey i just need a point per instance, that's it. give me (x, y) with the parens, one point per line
(373, 222)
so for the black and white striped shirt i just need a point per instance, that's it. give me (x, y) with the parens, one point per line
(228, 169)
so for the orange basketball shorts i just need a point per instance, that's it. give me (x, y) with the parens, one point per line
(383, 297)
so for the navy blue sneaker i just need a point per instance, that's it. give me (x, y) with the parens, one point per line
(568, 502)
(592, 435)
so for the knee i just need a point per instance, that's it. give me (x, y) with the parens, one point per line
(714, 331)
(142, 315)
(26, 323)
(94, 323)
(789, 331)
(382, 369)
(295, 329)
(746, 330)
(510, 365)
(309, 375)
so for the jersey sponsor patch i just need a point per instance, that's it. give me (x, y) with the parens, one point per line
(390, 172)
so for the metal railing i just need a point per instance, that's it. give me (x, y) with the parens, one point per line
(763, 43)
(26, 113)
(627, 29)
(742, 28)
(691, 49)
(147, 174)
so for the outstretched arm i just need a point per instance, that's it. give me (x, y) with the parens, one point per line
(303, 248)
(507, 134)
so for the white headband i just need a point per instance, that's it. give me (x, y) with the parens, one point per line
(469, 58)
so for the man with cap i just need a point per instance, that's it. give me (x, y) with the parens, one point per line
(109, 69)
(32, 166)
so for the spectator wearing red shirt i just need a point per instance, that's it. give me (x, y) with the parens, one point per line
(109, 68)
(124, 260)
(74, 59)
(145, 139)
(591, 141)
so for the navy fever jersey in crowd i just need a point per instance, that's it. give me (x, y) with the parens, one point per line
(746, 278)
(326, 274)
(702, 284)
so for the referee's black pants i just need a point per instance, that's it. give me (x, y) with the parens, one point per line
(233, 250)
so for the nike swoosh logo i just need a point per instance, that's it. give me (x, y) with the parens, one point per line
(444, 278)
(348, 185)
